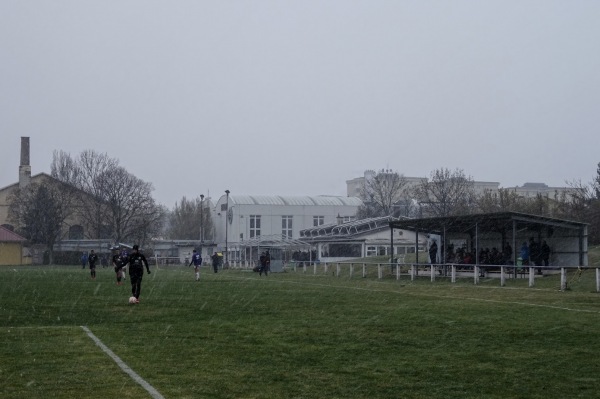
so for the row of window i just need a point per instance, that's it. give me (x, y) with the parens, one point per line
(286, 225)
(380, 250)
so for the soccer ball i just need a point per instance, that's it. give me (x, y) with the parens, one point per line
(132, 300)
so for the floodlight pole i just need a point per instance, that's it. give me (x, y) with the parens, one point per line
(226, 230)
(201, 218)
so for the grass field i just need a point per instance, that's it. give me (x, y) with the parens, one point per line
(296, 335)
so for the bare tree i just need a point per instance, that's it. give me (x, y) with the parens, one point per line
(185, 220)
(582, 203)
(504, 200)
(64, 168)
(446, 193)
(115, 203)
(41, 211)
(130, 211)
(92, 170)
(380, 193)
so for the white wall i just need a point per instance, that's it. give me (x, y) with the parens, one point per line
(271, 218)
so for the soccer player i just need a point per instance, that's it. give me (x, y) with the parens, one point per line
(215, 261)
(118, 264)
(92, 259)
(197, 261)
(124, 256)
(136, 261)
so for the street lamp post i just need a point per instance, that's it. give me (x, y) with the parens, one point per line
(201, 218)
(226, 231)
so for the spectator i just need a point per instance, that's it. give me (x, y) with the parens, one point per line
(545, 253)
(534, 252)
(215, 261)
(84, 260)
(268, 260)
(263, 264)
(524, 254)
(433, 252)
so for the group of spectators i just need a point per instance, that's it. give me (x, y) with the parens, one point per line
(486, 256)
(534, 253)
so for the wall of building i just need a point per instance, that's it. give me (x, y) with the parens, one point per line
(354, 187)
(11, 253)
(271, 211)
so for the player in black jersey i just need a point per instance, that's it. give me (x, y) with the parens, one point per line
(92, 259)
(118, 264)
(136, 261)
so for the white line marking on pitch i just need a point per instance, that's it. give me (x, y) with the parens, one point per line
(135, 376)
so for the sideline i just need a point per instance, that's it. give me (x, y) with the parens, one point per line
(153, 392)
(430, 295)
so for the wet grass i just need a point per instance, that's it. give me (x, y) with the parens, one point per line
(296, 335)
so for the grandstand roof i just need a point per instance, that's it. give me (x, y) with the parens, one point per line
(281, 200)
(495, 221)
(348, 229)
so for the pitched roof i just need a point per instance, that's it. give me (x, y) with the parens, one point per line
(294, 200)
(8, 236)
(38, 176)
(495, 221)
(347, 229)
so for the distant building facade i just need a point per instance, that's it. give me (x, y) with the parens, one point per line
(532, 190)
(75, 227)
(12, 250)
(239, 218)
(355, 187)
(360, 239)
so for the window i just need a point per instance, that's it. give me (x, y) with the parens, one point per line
(286, 226)
(254, 226)
(371, 251)
(318, 220)
(223, 207)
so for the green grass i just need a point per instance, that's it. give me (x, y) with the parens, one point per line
(296, 335)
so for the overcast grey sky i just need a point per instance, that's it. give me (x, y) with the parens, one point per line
(296, 97)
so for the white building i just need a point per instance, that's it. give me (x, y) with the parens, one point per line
(354, 187)
(239, 218)
(362, 238)
(532, 190)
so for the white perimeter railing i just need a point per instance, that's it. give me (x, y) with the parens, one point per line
(414, 270)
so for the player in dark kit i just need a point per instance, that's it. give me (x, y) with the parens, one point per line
(92, 259)
(136, 261)
(118, 264)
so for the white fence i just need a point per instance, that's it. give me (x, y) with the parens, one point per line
(431, 271)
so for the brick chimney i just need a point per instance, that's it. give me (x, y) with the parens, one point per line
(24, 168)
